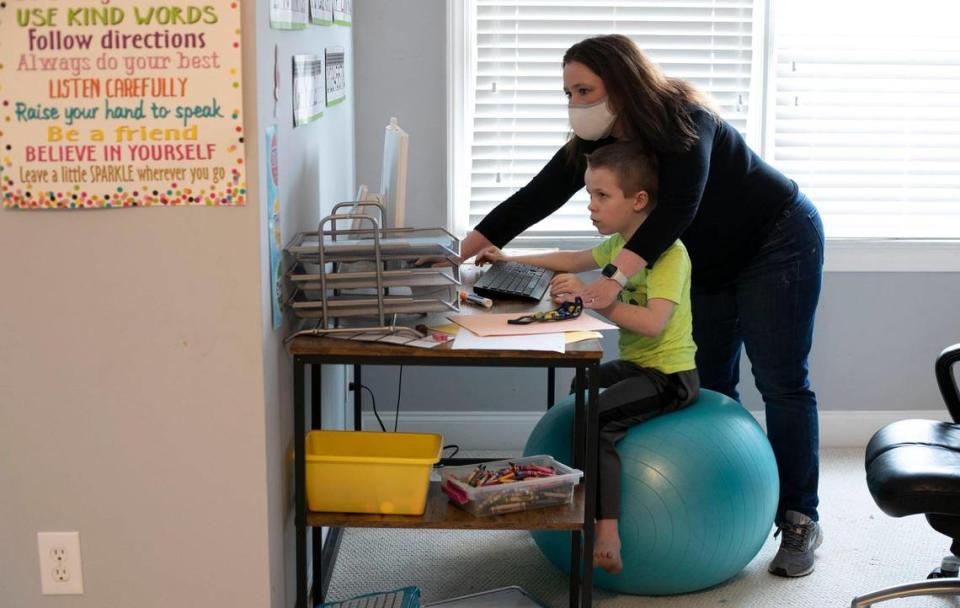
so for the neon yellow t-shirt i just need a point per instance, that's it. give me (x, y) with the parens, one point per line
(673, 350)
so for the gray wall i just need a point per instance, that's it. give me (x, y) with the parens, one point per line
(145, 399)
(877, 334)
(131, 399)
(401, 67)
(316, 171)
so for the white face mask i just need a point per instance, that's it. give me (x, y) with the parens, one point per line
(593, 121)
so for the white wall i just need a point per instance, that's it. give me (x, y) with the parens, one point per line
(144, 397)
(877, 333)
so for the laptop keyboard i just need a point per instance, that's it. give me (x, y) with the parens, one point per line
(513, 280)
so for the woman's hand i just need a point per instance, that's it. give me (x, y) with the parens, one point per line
(473, 242)
(436, 260)
(490, 255)
(564, 286)
(600, 293)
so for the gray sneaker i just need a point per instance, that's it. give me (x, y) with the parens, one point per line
(801, 537)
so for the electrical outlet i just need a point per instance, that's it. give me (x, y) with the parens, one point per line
(60, 571)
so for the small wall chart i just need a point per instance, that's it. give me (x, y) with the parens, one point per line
(308, 90)
(288, 14)
(336, 75)
(321, 12)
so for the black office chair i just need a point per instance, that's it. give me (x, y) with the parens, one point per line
(913, 466)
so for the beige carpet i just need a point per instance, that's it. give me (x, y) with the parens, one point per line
(863, 550)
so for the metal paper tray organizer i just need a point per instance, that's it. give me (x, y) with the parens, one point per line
(361, 278)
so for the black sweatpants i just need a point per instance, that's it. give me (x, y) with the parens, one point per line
(633, 394)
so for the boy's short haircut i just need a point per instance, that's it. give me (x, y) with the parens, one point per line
(635, 171)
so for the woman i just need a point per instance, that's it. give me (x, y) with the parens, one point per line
(755, 241)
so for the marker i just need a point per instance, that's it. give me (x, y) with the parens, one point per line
(476, 300)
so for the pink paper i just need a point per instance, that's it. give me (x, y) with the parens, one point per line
(496, 324)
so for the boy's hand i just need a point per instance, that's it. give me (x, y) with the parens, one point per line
(600, 293)
(489, 255)
(564, 287)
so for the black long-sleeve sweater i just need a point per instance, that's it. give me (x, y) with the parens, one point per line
(719, 197)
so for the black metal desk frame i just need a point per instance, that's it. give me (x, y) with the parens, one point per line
(584, 454)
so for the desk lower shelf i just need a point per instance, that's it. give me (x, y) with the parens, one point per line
(440, 514)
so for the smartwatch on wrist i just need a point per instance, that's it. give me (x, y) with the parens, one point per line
(612, 272)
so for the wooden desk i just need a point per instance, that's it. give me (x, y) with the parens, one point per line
(584, 357)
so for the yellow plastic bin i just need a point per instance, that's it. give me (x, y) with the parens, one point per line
(366, 472)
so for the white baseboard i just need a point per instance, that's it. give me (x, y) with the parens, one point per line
(509, 430)
(469, 430)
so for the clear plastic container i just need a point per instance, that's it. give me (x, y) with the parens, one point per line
(535, 493)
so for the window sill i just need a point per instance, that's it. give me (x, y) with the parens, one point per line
(898, 255)
(841, 255)
(920, 242)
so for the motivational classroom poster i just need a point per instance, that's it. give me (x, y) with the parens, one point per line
(121, 103)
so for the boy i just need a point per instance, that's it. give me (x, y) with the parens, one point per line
(656, 372)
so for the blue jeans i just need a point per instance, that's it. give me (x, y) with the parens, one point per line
(769, 308)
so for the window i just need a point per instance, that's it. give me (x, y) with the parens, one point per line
(857, 102)
(867, 114)
(516, 117)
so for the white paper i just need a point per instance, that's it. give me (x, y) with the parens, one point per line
(402, 338)
(371, 336)
(321, 12)
(424, 343)
(308, 88)
(288, 14)
(336, 76)
(343, 12)
(466, 339)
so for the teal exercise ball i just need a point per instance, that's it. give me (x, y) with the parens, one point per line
(699, 495)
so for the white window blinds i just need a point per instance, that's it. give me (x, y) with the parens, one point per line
(867, 114)
(517, 115)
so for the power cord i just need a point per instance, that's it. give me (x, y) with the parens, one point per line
(453, 446)
(374, 401)
(396, 415)
(396, 420)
